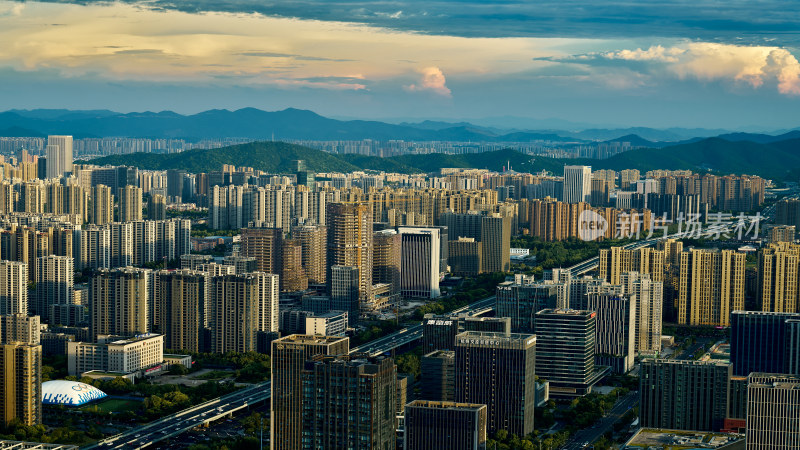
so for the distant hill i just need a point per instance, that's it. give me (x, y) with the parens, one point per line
(775, 160)
(276, 157)
(760, 138)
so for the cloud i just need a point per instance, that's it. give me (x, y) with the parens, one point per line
(705, 61)
(12, 9)
(433, 80)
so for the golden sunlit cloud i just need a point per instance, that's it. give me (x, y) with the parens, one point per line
(433, 80)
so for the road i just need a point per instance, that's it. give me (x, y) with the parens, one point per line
(604, 425)
(182, 421)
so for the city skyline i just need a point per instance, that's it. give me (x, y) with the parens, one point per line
(594, 66)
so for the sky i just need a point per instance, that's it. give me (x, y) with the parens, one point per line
(702, 63)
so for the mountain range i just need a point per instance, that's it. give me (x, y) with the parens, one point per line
(778, 160)
(252, 123)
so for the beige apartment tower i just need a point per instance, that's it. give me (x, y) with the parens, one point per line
(350, 243)
(102, 209)
(289, 355)
(130, 204)
(120, 300)
(710, 286)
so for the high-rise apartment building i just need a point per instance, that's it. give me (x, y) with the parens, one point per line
(268, 294)
(20, 328)
(615, 261)
(59, 156)
(350, 244)
(180, 309)
(445, 425)
(577, 184)
(647, 296)
(54, 283)
(497, 370)
(235, 304)
(386, 259)
(130, 203)
(773, 401)
(13, 287)
(419, 267)
(293, 275)
(102, 205)
(496, 243)
(778, 270)
(313, 239)
(21, 386)
(683, 395)
(265, 245)
(349, 402)
(156, 207)
(289, 355)
(711, 285)
(119, 301)
(565, 350)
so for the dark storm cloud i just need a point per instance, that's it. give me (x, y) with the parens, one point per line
(734, 21)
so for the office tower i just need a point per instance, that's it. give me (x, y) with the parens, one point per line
(496, 243)
(439, 332)
(175, 182)
(289, 355)
(21, 385)
(294, 276)
(615, 261)
(497, 370)
(648, 298)
(419, 266)
(683, 395)
(156, 207)
(523, 298)
(180, 309)
(130, 203)
(268, 294)
(59, 156)
(235, 305)
(349, 402)
(54, 282)
(386, 259)
(465, 257)
(765, 342)
(615, 343)
(119, 301)
(438, 379)
(345, 291)
(122, 240)
(778, 269)
(313, 240)
(20, 328)
(350, 244)
(445, 425)
(13, 287)
(263, 244)
(565, 350)
(773, 401)
(462, 225)
(577, 184)
(599, 192)
(102, 209)
(711, 285)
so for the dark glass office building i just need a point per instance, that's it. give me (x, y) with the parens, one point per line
(445, 426)
(683, 395)
(765, 342)
(349, 401)
(497, 370)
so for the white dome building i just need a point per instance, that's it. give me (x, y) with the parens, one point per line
(69, 393)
